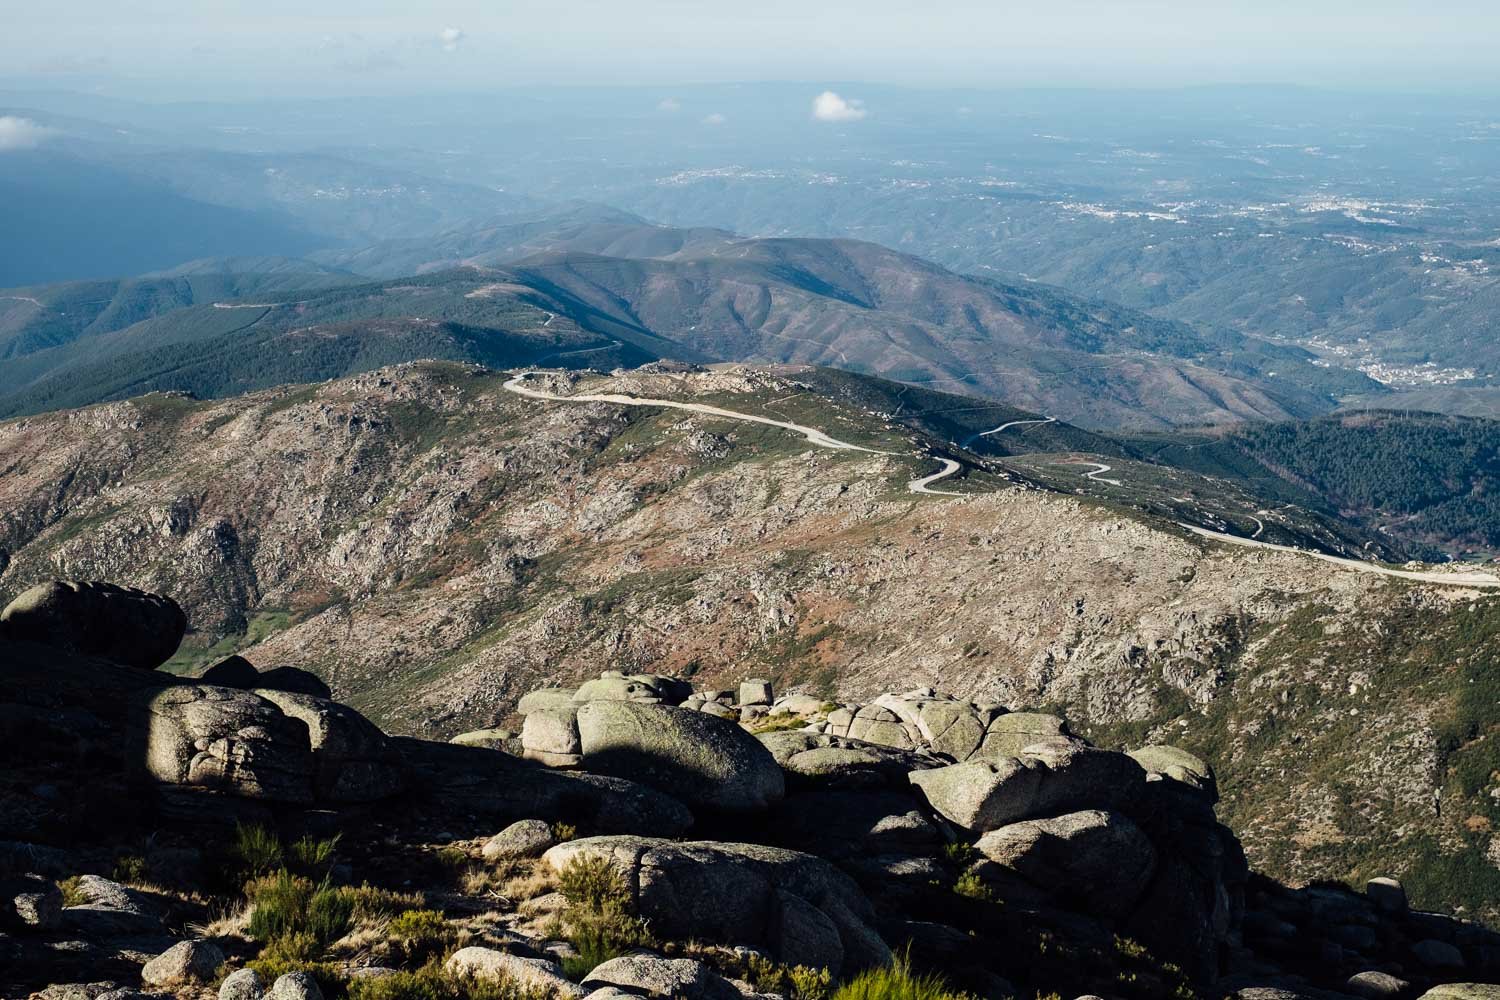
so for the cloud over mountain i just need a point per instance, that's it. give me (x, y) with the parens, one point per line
(22, 133)
(830, 107)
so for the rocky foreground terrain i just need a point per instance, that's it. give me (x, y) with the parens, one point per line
(243, 836)
(432, 547)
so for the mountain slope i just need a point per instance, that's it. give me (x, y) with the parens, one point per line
(435, 545)
(842, 303)
(1431, 481)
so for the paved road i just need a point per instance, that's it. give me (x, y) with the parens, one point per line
(1423, 576)
(1099, 469)
(1006, 426)
(948, 469)
(518, 386)
(923, 485)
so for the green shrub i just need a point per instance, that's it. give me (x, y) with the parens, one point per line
(420, 935)
(599, 920)
(71, 893)
(257, 849)
(284, 904)
(130, 869)
(562, 832)
(973, 887)
(960, 854)
(796, 982)
(311, 856)
(896, 982)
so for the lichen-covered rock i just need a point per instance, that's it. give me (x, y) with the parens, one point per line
(529, 973)
(111, 910)
(295, 986)
(119, 624)
(352, 759)
(1009, 734)
(245, 984)
(472, 781)
(183, 964)
(818, 760)
(1463, 991)
(982, 795)
(226, 740)
(660, 978)
(550, 735)
(507, 740)
(1097, 861)
(705, 762)
(30, 902)
(756, 691)
(544, 698)
(728, 893)
(646, 689)
(1180, 766)
(526, 838)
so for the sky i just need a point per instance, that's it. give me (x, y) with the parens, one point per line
(230, 48)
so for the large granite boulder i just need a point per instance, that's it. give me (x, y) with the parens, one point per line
(646, 689)
(1180, 766)
(541, 975)
(550, 735)
(706, 762)
(982, 795)
(1095, 860)
(798, 907)
(819, 760)
(474, 781)
(660, 978)
(183, 964)
(225, 740)
(1008, 735)
(353, 761)
(119, 624)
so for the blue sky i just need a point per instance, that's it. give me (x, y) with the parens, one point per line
(230, 47)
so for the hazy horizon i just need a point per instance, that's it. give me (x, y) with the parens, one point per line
(280, 49)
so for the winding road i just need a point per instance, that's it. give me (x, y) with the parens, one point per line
(1423, 576)
(812, 434)
(1006, 426)
(924, 485)
(1099, 470)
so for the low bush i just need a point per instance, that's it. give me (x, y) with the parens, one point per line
(311, 856)
(285, 904)
(599, 920)
(420, 935)
(897, 981)
(257, 849)
(129, 869)
(71, 893)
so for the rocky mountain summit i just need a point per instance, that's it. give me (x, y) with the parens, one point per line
(429, 547)
(242, 835)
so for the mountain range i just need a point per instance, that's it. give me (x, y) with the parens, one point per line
(696, 295)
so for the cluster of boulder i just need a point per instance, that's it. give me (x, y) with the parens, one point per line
(816, 822)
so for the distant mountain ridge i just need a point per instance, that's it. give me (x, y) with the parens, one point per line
(697, 295)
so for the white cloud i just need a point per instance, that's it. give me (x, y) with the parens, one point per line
(670, 105)
(830, 107)
(22, 133)
(715, 119)
(451, 38)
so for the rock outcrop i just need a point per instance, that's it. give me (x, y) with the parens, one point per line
(799, 907)
(119, 624)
